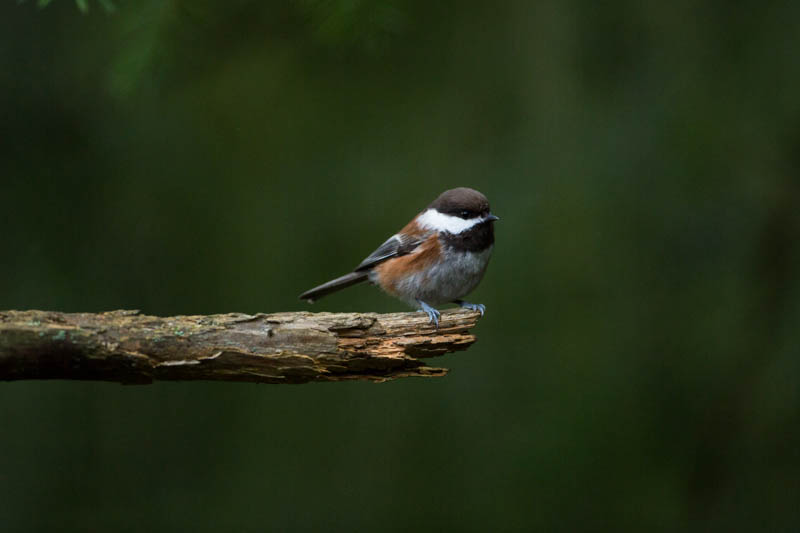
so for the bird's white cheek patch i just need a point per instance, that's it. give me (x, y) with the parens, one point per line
(434, 220)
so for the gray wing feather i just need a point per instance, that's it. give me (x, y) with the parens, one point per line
(395, 246)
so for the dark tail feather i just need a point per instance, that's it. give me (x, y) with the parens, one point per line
(333, 285)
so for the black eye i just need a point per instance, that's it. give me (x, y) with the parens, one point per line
(464, 214)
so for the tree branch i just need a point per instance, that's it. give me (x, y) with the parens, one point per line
(127, 347)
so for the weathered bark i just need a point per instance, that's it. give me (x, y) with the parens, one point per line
(127, 347)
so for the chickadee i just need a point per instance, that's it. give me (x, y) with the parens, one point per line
(438, 257)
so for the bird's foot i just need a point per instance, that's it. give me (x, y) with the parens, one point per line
(474, 307)
(432, 313)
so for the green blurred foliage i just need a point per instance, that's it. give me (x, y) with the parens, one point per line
(82, 5)
(639, 364)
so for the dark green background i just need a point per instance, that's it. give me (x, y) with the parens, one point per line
(639, 364)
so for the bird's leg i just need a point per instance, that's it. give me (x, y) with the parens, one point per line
(432, 313)
(475, 307)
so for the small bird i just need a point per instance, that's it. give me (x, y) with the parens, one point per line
(438, 257)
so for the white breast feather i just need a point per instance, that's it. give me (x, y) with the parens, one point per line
(447, 280)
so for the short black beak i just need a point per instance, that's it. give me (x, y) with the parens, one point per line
(492, 218)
